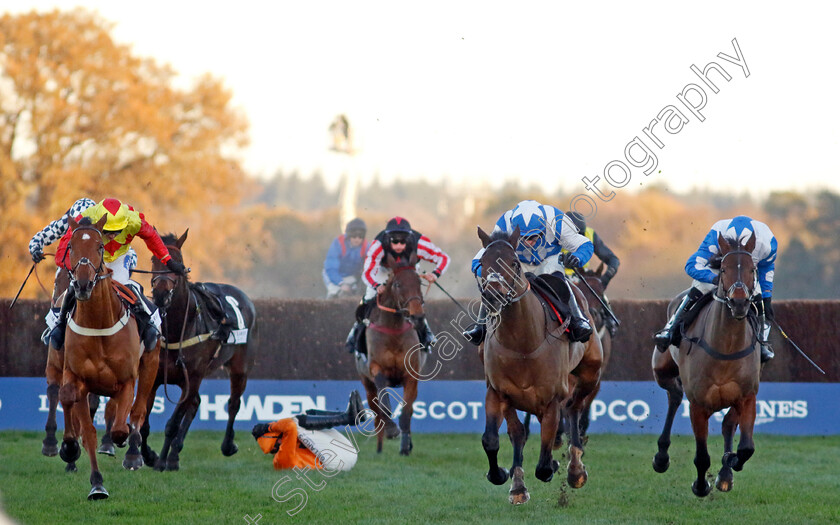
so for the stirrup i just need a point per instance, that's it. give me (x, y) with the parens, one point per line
(662, 339)
(579, 330)
(766, 352)
(475, 334)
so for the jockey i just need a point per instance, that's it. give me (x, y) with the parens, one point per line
(606, 255)
(343, 264)
(400, 241)
(51, 233)
(316, 449)
(544, 232)
(702, 268)
(122, 225)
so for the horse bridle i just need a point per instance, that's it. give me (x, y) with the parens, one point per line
(511, 296)
(84, 261)
(738, 284)
(402, 306)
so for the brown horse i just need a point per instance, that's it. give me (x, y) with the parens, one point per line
(53, 372)
(102, 355)
(190, 355)
(528, 360)
(717, 367)
(394, 352)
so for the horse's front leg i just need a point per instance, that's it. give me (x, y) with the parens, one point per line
(49, 446)
(373, 404)
(490, 439)
(724, 478)
(702, 461)
(173, 461)
(409, 396)
(81, 413)
(549, 419)
(383, 399)
(666, 373)
(238, 379)
(516, 432)
(746, 446)
(69, 396)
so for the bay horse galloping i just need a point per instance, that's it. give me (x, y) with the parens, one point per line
(528, 360)
(103, 355)
(190, 354)
(717, 367)
(394, 354)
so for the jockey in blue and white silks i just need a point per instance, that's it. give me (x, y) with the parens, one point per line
(552, 230)
(699, 268)
(544, 232)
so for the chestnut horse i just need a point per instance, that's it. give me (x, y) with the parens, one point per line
(189, 355)
(528, 360)
(103, 355)
(394, 354)
(717, 367)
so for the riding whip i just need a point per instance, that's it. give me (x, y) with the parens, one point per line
(22, 285)
(453, 299)
(797, 347)
(598, 296)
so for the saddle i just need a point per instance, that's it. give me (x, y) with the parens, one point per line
(552, 293)
(209, 298)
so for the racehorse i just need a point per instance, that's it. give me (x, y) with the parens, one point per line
(717, 367)
(527, 363)
(394, 354)
(103, 355)
(53, 373)
(189, 354)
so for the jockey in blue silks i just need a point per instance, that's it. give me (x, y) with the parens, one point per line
(702, 267)
(544, 232)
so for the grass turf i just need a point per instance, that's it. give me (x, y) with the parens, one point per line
(789, 479)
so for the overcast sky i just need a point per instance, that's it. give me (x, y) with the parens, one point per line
(541, 92)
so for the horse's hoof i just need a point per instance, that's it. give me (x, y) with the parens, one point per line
(500, 478)
(98, 492)
(132, 462)
(661, 463)
(160, 465)
(50, 449)
(544, 474)
(577, 481)
(150, 458)
(406, 445)
(519, 497)
(107, 449)
(555, 465)
(229, 450)
(392, 432)
(723, 484)
(119, 438)
(173, 466)
(71, 467)
(70, 451)
(701, 492)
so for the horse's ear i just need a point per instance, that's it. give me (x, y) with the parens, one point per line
(514, 237)
(72, 222)
(723, 244)
(750, 246)
(101, 222)
(413, 260)
(181, 239)
(485, 239)
(389, 261)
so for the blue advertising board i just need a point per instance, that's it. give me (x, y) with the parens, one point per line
(631, 407)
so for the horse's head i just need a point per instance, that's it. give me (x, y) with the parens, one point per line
(737, 275)
(86, 254)
(502, 281)
(404, 286)
(165, 283)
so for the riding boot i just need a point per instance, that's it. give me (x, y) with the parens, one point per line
(612, 328)
(222, 332)
(476, 332)
(425, 334)
(145, 327)
(579, 327)
(352, 342)
(764, 340)
(57, 333)
(354, 407)
(668, 335)
(324, 419)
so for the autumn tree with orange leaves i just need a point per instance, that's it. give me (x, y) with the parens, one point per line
(81, 116)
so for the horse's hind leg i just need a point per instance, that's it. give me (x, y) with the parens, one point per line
(373, 404)
(702, 461)
(50, 444)
(149, 456)
(666, 373)
(173, 460)
(490, 439)
(107, 445)
(724, 478)
(238, 381)
(516, 432)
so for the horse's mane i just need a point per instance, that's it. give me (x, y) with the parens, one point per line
(169, 239)
(500, 235)
(85, 222)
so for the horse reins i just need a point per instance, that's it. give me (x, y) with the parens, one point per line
(402, 309)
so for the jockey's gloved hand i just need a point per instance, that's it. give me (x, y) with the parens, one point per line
(177, 267)
(768, 309)
(38, 255)
(570, 260)
(259, 430)
(607, 277)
